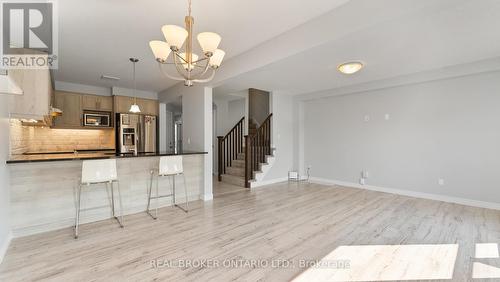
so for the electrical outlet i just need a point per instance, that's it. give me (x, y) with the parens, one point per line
(387, 117)
(362, 181)
(367, 118)
(441, 182)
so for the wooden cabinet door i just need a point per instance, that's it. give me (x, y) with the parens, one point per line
(105, 103)
(97, 103)
(123, 103)
(90, 102)
(70, 104)
(35, 101)
(149, 107)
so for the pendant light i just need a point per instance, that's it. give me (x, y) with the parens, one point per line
(134, 108)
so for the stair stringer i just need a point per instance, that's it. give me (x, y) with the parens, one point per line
(264, 170)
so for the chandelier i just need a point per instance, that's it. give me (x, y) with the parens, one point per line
(191, 68)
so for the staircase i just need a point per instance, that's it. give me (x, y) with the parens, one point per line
(241, 156)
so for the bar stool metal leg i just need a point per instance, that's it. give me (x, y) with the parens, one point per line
(185, 192)
(157, 196)
(173, 190)
(77, 218)
(149, 196)
(112, 200)
(121, 204)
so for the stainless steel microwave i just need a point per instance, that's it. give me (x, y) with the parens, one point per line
(101, 119)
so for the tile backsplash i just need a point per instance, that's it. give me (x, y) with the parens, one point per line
(44, 139)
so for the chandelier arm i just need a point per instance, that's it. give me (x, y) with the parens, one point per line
(206, 79)
(203, 70)
(168, 75)
(201, 60)
(206, 69)
(180, 57)
(180, 70)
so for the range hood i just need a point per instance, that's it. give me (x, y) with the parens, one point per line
(8, 86)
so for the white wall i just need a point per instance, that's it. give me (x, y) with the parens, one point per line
(4, 177)
(447, 129)
(222, 113)
(229, 112)
(283, 135)
(82, 88)
(138, 93)
(236, 110)
(104, 91)
(196, 125)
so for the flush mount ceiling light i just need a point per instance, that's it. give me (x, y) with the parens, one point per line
(350, 67)
(134, 108)
(190, 66)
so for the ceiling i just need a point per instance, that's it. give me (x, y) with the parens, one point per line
(445, 33)
(97, 37)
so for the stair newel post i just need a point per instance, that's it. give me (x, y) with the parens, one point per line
(220, 159)
(247, 168)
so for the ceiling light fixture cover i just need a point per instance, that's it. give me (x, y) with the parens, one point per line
(191, 68)
(350, 67)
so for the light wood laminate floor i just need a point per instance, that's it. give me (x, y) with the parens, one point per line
(281, 222)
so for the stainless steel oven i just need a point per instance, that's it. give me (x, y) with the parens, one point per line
(97, 119)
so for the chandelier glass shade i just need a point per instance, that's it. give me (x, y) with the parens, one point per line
(190, 67)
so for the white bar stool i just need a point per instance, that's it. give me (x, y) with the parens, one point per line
(170, 166)
(99, 172)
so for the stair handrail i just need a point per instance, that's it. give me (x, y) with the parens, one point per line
(257, 147)
(234, 127)
(229, 146)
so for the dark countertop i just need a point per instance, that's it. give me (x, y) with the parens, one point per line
(51, 157)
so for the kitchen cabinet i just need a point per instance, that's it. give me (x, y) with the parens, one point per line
(148, 107)
(97, 103)
(123, 103)
(70, 104)
(37, 88)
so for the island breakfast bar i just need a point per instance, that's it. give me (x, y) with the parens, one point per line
(43, 188)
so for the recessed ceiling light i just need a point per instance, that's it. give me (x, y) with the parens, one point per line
(350, 67)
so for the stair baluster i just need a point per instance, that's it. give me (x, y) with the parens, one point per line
(257, 148)
(229, 146)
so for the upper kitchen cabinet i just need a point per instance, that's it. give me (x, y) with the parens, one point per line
(147, 106)
(71, 105)
(97, 103)
(36, 85)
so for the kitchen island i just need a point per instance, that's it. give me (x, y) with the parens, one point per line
(43, 187)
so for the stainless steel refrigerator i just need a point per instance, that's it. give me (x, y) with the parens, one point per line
(136, 133)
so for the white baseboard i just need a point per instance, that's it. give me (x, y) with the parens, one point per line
(436, 197)
(268, 182)
(207, 197)
(5, 246)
